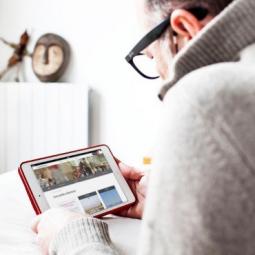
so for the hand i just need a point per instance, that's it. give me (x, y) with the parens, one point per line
(137, 181)
(48, 224)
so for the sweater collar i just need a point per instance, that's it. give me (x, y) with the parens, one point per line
(221, 41)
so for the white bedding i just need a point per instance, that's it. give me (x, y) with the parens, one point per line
(16, 215)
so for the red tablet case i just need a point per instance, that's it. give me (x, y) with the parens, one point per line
(30, 193)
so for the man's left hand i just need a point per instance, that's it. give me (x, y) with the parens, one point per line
(48, 224)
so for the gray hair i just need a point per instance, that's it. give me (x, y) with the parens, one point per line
(214, 7)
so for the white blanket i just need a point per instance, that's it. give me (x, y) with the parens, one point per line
(16, 215)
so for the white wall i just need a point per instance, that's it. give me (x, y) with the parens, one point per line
(40, 119)
(100, 33)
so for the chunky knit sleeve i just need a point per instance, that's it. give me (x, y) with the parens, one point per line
(84, 236)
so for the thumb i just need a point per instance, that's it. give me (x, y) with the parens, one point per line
(130, 172)
(117, 160)
(35, 223)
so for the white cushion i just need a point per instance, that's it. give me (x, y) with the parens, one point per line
(17, 213)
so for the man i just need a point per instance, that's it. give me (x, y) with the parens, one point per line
(200, 198)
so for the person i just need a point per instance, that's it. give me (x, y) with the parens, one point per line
(200, 197)
(84, 168)
(76, 173)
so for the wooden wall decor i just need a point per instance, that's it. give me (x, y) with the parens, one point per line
(50, 57)
(19, 52)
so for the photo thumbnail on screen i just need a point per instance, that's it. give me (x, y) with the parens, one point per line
(91, 203)
(110, 197)
(69, 170)
(97, 201)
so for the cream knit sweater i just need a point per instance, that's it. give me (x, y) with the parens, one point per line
(201, 198)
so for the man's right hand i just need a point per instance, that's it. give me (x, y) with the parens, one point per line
(137, 181)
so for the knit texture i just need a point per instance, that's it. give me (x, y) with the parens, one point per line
(83, 236)
(201, 196)
(227, 34)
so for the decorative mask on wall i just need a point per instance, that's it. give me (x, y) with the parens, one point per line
(50, 57)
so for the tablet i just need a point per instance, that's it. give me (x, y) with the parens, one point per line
(87, 180)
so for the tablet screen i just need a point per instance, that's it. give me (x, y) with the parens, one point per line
(81, 183)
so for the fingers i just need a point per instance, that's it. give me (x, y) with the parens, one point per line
(134, 212)
(123, 213)
(35, 222)
(117, 160)
(130, 172)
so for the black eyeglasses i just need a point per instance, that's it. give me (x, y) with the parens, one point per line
(134, 56)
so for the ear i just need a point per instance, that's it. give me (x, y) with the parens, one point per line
(185, 23)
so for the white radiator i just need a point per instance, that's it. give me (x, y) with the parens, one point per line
(41, 119)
